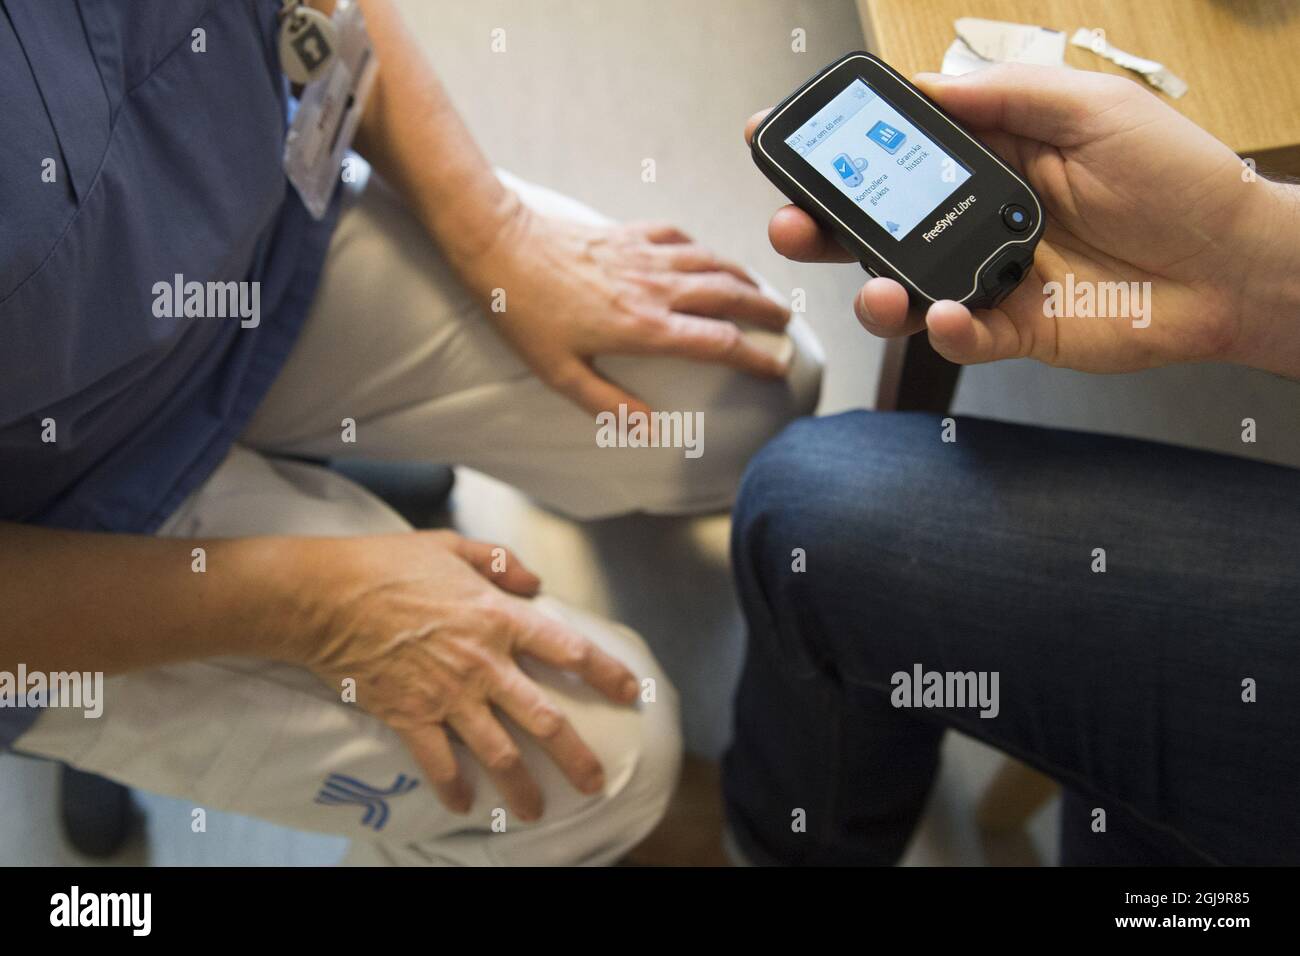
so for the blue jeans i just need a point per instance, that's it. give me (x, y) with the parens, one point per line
(978, 555)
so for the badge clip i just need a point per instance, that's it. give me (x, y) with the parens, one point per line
(332, 101)
(308, 41)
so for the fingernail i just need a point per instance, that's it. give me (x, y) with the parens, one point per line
(629, 688)
(864, 314)
(594, 784)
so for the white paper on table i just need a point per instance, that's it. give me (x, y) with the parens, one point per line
(981, 42)
(1157, 74)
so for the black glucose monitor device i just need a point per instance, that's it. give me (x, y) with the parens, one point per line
(900, 184)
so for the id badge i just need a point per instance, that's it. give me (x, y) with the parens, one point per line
(329, 110)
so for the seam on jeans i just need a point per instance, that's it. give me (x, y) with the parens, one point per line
(834, 799)
(1051, 769)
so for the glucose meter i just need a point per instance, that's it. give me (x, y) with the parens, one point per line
(900, 184)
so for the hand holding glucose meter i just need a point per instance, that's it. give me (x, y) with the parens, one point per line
(900, 184)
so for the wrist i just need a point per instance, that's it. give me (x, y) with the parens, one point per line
(471, 229)
(278, 606)
(490, 261)
(1268, 284)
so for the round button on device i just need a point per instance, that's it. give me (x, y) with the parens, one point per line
(1016, 217)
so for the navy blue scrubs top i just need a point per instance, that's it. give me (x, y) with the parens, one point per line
(165, 147)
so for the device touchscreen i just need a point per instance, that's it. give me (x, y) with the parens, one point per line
(885, 164)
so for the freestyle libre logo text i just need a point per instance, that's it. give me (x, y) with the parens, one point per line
(951, 217)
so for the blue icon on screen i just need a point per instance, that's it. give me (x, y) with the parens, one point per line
(850, 169)
(888, 138)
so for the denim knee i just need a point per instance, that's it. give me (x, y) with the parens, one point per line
(825, 486)
(824, 514)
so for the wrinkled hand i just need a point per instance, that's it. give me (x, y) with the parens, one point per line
(1134, 192)
(575, 292)
(431, 635)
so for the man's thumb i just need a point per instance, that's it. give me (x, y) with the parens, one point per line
(1044, 103)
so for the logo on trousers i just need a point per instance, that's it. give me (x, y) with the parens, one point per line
(340, 789)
